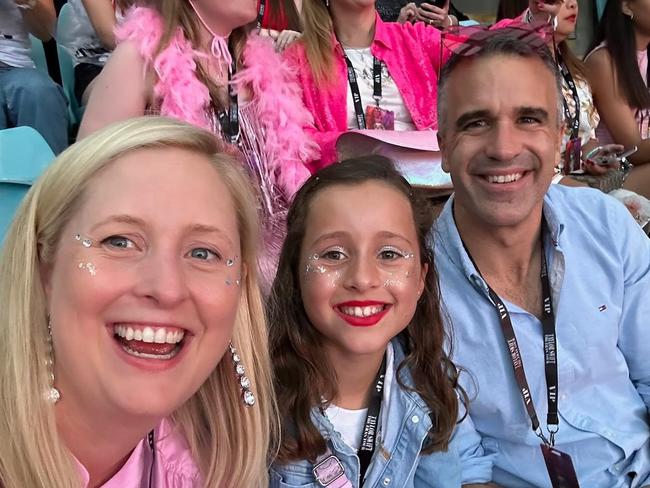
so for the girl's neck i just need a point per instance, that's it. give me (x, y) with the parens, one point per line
(356, 376)
(354, 29)
(102, 447)
(642, 39)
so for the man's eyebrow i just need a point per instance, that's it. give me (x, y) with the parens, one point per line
(536, 112)
(468, 116)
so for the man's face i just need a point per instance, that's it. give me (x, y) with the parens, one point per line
(501, 139)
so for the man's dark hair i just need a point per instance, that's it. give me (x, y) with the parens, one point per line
(501, 43)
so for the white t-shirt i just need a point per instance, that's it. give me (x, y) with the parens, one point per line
(14, 38)
(80, 38)
(349, 423)
(362, 61)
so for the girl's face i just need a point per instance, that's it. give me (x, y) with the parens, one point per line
(566, 19)
(361, 274)
(224, 16)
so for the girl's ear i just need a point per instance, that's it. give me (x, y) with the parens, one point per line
(423, 276)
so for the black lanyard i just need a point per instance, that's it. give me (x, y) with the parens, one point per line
(260, 14)
(152, 446)
(573, 122)
(367, 447)
(354, 88)
(229, 120)
(550, 359)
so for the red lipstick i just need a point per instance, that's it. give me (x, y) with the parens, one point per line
(367, 321)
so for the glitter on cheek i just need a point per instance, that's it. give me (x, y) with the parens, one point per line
(90, 267)
(85, 242)
(313, 267)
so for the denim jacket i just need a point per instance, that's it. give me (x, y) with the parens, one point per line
(397, 461)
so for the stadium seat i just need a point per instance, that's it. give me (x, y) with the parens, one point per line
(24, 155)
(38, 54)
(67, 67)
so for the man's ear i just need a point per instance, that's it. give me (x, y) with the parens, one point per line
(442, 146)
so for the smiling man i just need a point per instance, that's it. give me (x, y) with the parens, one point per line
(547, 288)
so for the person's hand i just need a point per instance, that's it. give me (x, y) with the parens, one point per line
(409, 13)
(435, 16)
(545, 9)
(285, 38)
(602, 159)
(25, 4)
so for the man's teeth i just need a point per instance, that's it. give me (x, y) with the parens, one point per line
(504, 178)
(362, 311)
(159, 335)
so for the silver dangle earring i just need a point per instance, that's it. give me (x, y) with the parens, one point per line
(248, 398)
(53, 395)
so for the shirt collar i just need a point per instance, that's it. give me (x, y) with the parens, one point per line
(445, 236)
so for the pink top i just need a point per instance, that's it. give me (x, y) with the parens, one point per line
(412, 54)
(174, 466)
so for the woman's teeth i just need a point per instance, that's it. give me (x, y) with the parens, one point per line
(159, 335)
(362, 311)
(504, 178)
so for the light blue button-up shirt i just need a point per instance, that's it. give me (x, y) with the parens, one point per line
(599, 268)
(397, 461)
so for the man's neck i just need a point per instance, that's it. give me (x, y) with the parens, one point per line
(355, 30)
(508, 258)
(356, 376)
(102, 447)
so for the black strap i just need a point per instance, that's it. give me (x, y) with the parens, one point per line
(152, 447)
(367, 447)
(572, 122)
(550, 348)
(229, 120)
(354, 88)
(260, 14)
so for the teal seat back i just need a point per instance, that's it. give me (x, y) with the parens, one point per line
(67, 66)
(38, 54)
(24, 155)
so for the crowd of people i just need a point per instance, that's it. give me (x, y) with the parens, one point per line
(203, 291)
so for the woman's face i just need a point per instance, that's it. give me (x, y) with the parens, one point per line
(566, 19)
(144, 287)
(224, 16)
(361, 274)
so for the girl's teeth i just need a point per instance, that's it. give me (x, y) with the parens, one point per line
(362, 311)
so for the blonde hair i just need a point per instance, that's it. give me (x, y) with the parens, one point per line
(317, 36)
(230, 442)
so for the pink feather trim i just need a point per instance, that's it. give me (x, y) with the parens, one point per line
(280, 112)
(178, 91)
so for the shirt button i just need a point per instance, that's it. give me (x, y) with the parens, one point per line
(415, 419)
(386, 481)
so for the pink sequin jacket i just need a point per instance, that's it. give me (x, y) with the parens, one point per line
(412, 55)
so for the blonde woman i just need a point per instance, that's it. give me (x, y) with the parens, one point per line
(133, 346)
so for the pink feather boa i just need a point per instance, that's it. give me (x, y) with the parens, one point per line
(276, 93)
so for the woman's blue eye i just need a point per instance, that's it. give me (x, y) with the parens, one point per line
(119, 242)
(203, 253)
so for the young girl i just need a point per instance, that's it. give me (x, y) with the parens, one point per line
(368, 391)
